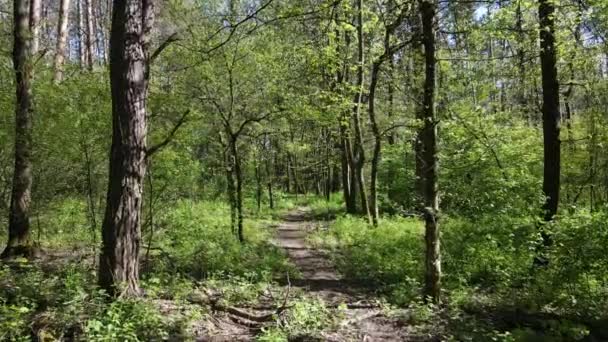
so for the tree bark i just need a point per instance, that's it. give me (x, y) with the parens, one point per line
(129, 74)
(19, 241)
(238, 175)
(82, 51)
(550, 110)
(90, 35)
(348, 188)
(373, 186)
(432, 284)
(34, 23)
(62, 37)
(358, 160)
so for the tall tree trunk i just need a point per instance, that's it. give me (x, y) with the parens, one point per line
(550, 109)
(19, 241)
(62, 37)
(230, 182)
(373, 186)
(82, 50)
(238, 174)
(34, 23)
(391, 98)
(359, 151)
(432, 283)
(129, 74)
(90, 35)
(417, 64)
(258, 185)
(521, 66)
(348, 186)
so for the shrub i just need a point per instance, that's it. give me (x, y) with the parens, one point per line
(196, 237)
(389, 256)
(126, 320)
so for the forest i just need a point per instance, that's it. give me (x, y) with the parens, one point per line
(310, 170)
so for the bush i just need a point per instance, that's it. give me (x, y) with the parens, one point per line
(388, 257)
(490, 252)
(127, 320)
(196, 238)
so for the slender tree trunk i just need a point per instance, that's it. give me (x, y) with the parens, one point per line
(416, 65)
(521, 66)
(432, 284)
(348, 186)
(82, 51)
(34, 23)
(239, 189)
(373, 186)
(19, 240)
(269, 178)
(62, 37)
(129, 74)
(90, 35)
(230, 186)
(258, 186)
(270, 196)
(359, 151)
(550, 109)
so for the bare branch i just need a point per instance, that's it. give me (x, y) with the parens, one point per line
(171, 39)
(169, 137)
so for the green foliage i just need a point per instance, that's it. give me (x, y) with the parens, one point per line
(304, 321)
(126, 320)
(388, 257)
(488, 252)
(197, 239)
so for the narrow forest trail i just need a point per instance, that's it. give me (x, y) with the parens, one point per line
(360, 315)
(352, 312)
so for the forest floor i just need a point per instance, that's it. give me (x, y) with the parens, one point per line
(355, 313)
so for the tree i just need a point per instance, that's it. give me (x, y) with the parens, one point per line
(19, 241)
(428, 139)
(129, 77)
(550, 110)
(34, 24)
(389, 51)
(82, 50)
(62, 35)
(358, 160)
(91, 35)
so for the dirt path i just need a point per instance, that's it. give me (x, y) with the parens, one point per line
(355, 314)
(361, 316)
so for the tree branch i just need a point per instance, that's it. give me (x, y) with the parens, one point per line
(150, 151)
(172, 38)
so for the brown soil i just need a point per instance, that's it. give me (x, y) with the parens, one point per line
(358, 314)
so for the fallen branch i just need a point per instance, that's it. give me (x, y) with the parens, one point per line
(241, 316)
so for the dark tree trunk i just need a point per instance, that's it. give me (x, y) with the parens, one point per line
(417, 64)
(270, 196)
(432, 284)
(391, 99)
(258, 187)
(521, 66)
(91, 34)
(129, 74)
(238, 174)
(348, 186)
(230, 183)
(373, 186)
(550, 109)
(19, 241)
(358, 160)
